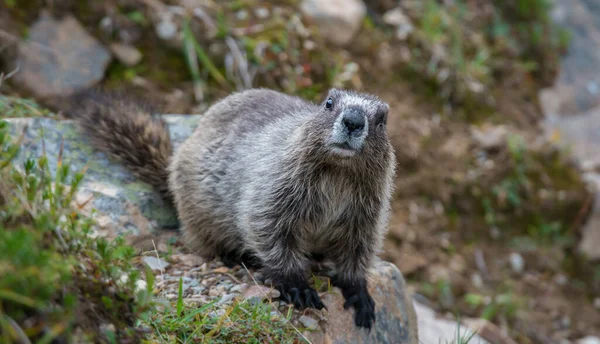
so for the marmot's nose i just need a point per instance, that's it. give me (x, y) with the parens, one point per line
(354, 120)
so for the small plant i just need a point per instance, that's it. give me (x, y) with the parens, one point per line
(465, 338)
(503, 305)
(50, 267)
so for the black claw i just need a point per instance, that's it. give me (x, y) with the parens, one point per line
(300, 294)
(357, 296)
(232, 258)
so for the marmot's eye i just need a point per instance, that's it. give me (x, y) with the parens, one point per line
(329, 103)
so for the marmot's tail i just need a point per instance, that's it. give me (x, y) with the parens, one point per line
(128, 132)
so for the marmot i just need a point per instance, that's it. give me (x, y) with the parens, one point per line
(268, 180)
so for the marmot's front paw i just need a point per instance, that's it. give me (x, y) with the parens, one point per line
(300, 294)
(363, 304)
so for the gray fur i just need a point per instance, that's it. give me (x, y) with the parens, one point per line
(278, 178)
(257, 173)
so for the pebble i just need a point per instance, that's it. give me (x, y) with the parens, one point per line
(589, 340)
(238, 288)
(597, 303)
(166, 29)
(213, 292)
(155, 263)
(257, 293)
(217, 314)
(477, 281)
(106, 25)
(517, 263)
(225, 299)
(561, 280)
(126, 54)
(309, 322)
(242, 15)
(262, 12)
(198, 290)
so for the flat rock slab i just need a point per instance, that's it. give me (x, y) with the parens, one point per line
(60, 57)
(123, 204)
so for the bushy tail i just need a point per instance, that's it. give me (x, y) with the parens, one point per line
(127, 131)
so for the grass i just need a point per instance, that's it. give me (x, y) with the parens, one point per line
(19, 107)
(242, 322)
(462, 339)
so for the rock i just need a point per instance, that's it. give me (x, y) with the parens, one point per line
(226, 299)
(308, 322)
(134, 208)
(238, 288)
(572, 104)
(155, 263)
(396, 320)
(589, 340)
(591, 229)
(436, 330)
(166, 29)
(336, 25)
(489, 137)
(59, 58)
(517, 263)
(257, 293)
(126, 54)
(401, 21)
(262, 12)
(188, 259)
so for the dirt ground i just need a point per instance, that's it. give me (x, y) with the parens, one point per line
(441, 236)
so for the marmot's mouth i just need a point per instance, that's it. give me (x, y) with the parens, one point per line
(343, 150)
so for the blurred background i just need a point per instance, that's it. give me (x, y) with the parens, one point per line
(494, 118)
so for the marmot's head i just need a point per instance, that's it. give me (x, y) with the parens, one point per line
(352, 125)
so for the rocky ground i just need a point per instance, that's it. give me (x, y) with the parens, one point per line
(492, 218)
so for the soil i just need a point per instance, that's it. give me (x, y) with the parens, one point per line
(439, 236)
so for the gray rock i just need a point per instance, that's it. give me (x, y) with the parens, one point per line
(309, 323)
(401, 21)
(589, 340)
(126, 54)
(237, 288)
(433, 329)
(226, 299)
(59, 58)
(257, 293)
(396, 319)
(336, 25)
(119, 199)
(166, 29)
(489, 137)
(155, 263)
(517, 263)
(572, 104)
